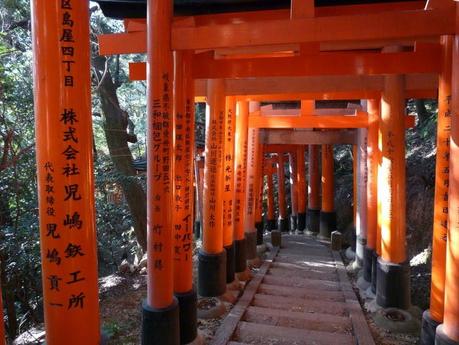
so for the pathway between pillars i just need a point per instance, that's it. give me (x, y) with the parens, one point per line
(300, 295)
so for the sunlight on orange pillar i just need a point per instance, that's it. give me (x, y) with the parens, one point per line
(2, 324)
(451, 306)
(392, 171)
(160, 77)
(328, 183)
(228, 179)
(293, 183)
(64, 152)
(281, 186)
(183, 165)
(379, 194)
(301, 179)
(372, 168)
(240, 167)
(440, 222)
(212, 237)
(314, 178)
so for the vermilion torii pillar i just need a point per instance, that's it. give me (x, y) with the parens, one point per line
(212, 256)
(327, 212)
(432, 317)
(301, 183)
(160, 324)
(251, 195)
(393, 279)
(361, 215)
(282, 221)
(183, 201)
(259, 194)
(64, 155)
(240, 169)
(448, 332)
(293, 190)
(270, 216)
(369, 268)
(313, 212)
(228, 188)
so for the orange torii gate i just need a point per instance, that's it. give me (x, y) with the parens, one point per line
(307, 53)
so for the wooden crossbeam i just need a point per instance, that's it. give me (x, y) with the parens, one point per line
(334, 95)
(328, 63)
(302, 9)
(274, 30)
(342, 87)
(275, 148)
(360, 120)
(325, 84)
(139, 24)
(386, 25)
(320, 121)
(308, 137)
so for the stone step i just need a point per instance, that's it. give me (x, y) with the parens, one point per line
(286, 272)
(312, 284)
(303, 261)
(309, 321)
(299, 304)
(299, 267)
(255, 333)
(286, 291)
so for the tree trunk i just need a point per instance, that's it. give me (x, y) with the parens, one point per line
(423, 114)
(115, 126)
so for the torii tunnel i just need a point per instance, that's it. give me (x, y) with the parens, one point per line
(241, 57)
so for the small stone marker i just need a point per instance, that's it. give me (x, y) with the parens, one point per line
(336, 240)
(276, 238)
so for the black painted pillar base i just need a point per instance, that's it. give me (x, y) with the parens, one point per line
(428, 329)
(327, 224)
(442, 339)
(260, 230)
(301, 222)
(240, 255)
(251, 243)
(160, 326)
(393, 284)
(367, 265)
(188, 306)
(272, 224)
(293, 222)
(283, 225)
(197, 229)
(313, 221)
(211, 274)
(230, 263)
(276, 238)
(374, 269)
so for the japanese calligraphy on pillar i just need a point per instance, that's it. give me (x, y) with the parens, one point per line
(62, 186)
(442, 166)
(162, 126)
(64, 163)
(183, 206)
(228, 177)
(251, 163)
(240, 168)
